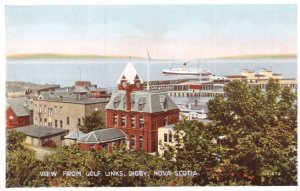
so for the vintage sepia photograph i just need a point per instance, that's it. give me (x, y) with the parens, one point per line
(150, 95)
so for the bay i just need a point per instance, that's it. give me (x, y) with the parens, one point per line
(105, 72)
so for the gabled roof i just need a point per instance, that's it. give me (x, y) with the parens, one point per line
(129, 74)
(75, 135)
(102, 136)
(21, 106)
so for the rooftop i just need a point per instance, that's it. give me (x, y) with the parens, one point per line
(102, 136)
(21, 106)
(142, 101)
(40, 131)
(129, 74)
(67, 97)
(75, 135)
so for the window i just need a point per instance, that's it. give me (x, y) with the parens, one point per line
(170, 137)
(132, 142)
(49, 124)
(61, 124)
(116, 104)
(115, 119)
(40, 109)
(133, 122)
(123, 120)
(45, 122)
(45, 109)
(141, 142)
(124, 105)
(55, 110)
(141, 106)
(141, 103)
(78, 121)
(166, 121)
(55, 123)
(165, 137)
(41, 121)
(142, 124)
(35, 108)
(60, 110)
(68, 120)
(50, 110)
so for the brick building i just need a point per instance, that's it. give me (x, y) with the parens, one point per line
(66, 110)
(18, 112)
(139, 113)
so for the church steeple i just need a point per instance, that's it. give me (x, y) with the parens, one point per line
(129, 79)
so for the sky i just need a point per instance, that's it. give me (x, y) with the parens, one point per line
(167, 31)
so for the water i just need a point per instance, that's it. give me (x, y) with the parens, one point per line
(105, 73)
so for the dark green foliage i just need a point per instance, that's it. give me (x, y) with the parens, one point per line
(24, 169)
(261, 131)
(93, 122)
(15, 140)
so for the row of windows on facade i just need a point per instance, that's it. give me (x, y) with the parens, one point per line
(133, 142)
(50, 124)
(133, 121)
(141, 105)
(50, 111)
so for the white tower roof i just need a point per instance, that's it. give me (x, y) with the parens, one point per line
(129, 74)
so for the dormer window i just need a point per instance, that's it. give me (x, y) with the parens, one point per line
(141, 103)
(117, 100)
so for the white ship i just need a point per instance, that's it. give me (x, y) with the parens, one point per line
(186, 71)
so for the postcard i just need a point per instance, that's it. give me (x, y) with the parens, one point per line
(141, 95)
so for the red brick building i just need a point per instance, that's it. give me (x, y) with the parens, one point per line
(18, 113)
(139, 113)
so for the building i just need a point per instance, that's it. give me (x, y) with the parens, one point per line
(193, 111)
(138, 112)
(103, 139)
(165, 137)
(42, 136)
(84, 84)
(19, 112)
(66, 110)
(72, 137)
(99, 92)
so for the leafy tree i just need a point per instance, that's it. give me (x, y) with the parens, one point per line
(93, 122)
(24, 169)
(195, 150)
(15, 140)
(259, 134)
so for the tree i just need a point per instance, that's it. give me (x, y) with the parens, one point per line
(93, 122)
(24, 169)
(195, 150)
(259, 134)
(15, 140)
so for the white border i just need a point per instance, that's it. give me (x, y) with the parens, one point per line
(120, 2)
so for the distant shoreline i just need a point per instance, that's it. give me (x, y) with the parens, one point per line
(91, 56)
(68, 56)
(259, 56)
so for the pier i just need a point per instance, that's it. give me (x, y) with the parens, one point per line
(204, 93)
